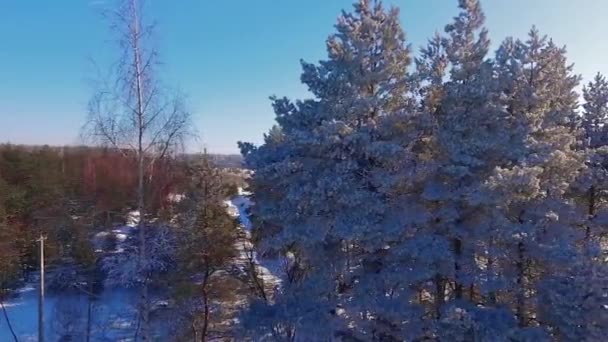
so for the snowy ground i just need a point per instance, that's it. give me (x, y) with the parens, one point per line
(66, 314)
(113, 315)
(269, 269)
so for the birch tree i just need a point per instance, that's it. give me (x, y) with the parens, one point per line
(135, 113)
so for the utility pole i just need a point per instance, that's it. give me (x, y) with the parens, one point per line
(41, 291)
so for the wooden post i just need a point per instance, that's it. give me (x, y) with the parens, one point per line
(41, 292)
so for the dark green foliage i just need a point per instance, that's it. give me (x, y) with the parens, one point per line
(41, 192)
(9, 251)
(207, 237)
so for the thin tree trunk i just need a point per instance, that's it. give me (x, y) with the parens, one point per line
(257, 280)
(521, 281)
(492, 295)
(145, 309)
(205, 315)
(458, 288)
(292, 334)
(591, 212)
(41, 292)
(472, 293)
(8, 321)
(137, 326)
(89, 309)
(206, 310)
(194, 331)
(521, 285)
(439, 294)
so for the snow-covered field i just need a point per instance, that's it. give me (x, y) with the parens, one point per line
(66, 314)
(113, 313)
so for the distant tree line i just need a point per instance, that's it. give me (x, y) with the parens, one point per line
(220, 160)
(66, 193)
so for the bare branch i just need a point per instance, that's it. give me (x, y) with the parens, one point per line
(133, 113)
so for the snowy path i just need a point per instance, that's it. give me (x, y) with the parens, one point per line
(268, 269)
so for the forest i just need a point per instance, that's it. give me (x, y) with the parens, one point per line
(448, 193)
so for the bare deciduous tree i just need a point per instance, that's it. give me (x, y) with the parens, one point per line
(133, 112)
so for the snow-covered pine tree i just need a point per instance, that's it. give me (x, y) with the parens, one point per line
(450, 214)
(595, 114)
(324, 204)
(538, 220)
(572, 301)
(469, 139)
(595, 144)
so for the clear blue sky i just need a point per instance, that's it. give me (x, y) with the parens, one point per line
(228, 56)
